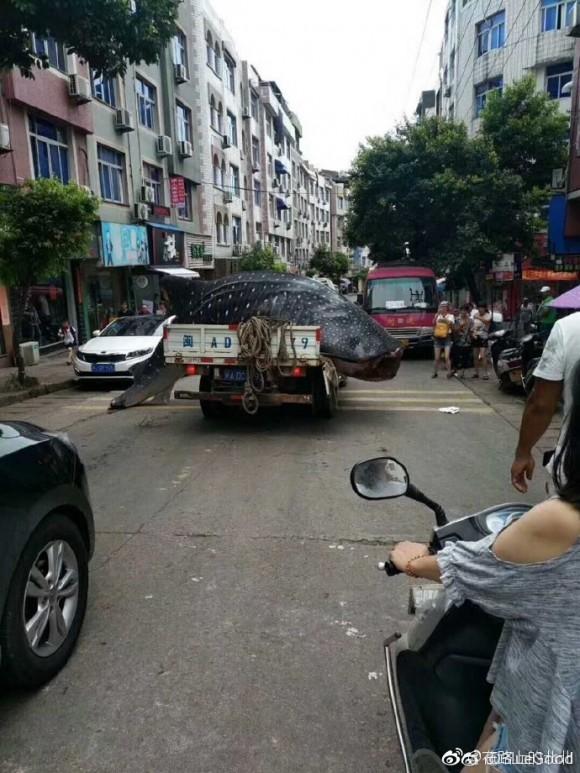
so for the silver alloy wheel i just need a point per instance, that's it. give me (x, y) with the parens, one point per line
(51, 598)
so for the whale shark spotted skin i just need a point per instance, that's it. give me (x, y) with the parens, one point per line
(358, 345)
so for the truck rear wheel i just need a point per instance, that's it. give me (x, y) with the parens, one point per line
(324, 405)
(209, 408)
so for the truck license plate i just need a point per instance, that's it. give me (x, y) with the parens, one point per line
(237, 375)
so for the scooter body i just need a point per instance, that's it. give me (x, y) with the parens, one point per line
(436, 672)
(506, 357)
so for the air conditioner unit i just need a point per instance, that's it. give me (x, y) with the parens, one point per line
(142, 211)
(164, 145)
(123, 120)
(237, 251)
(558, 179)
(185, 148)
(447, 92)
(275, 183)
(244, 206)
(180, 73)
(79, 89)
(288, 226)
(228, 198)
(147, 194)
(5, 146)
(226, 142)
(246, 112)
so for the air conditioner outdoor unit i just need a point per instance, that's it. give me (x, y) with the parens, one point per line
(228, 198)
(237, 250)
(123, 120)
(275, 183)
(288, 226)
(79, 89)
(226, 142)
(164, 145)
(142, 211)
(447, 92)
(244, 206)
(180, 73)
(185, 148)
(246, 112)
(5, 146)
(558, 179)
(147, 194)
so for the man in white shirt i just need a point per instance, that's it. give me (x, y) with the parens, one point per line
(553, 380)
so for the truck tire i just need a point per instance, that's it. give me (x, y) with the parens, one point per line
(324, 406)
(209, 408)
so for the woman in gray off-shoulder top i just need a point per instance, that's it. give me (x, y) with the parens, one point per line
(529, 575)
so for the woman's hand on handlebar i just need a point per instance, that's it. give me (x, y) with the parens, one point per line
(407, 551)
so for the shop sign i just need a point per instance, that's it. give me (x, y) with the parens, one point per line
(540, 275)
(168, 247)
(124, 245)
(177, 188)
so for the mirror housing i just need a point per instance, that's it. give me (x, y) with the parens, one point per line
(380, 478)
(96, 333)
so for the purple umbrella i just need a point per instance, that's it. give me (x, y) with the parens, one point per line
(569, 300)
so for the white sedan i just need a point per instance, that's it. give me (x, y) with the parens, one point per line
(119, 348)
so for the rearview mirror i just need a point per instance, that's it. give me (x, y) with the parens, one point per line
(381, 478)
(96, 333)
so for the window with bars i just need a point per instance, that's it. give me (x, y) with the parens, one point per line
(49, 147)
(111, 174)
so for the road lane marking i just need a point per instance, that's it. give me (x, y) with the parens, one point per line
(443, 401)
(412, 409)
(406, 392)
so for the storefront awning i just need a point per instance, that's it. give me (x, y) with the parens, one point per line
(280, 167)
(186, 273)
(160, 227)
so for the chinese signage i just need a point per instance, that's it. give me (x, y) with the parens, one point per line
(167, 246)
(177, 187)
(124, 245)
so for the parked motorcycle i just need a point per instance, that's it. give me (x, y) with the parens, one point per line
(436, 673)
(506, 357)
(532, 346)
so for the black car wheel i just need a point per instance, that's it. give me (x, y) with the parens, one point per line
(46, 604)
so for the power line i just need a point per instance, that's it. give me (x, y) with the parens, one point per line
(421, 41)
(459, 94)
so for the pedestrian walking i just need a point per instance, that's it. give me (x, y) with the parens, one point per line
(553, 379)
(443, 326)
(479, 337)
(462, 345)
(69, 338)
(526, 316)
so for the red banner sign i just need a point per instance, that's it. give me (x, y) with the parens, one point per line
(177, 186)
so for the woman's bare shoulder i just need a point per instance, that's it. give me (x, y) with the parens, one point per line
(553, 518)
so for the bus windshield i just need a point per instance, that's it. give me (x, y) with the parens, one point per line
(401, 294)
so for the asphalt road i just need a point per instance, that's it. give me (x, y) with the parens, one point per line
(236, 616)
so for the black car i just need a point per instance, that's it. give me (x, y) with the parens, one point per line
(47, 538)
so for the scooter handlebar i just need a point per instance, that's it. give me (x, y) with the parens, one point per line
(388, 567)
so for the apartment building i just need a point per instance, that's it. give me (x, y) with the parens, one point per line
(339, 206)
(489, 44)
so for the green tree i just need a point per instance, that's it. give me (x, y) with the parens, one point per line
(43, 224)
(261, 259)
(527, 131)
(329, 264)
(431, 189)
(107, 33)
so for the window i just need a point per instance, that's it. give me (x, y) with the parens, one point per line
(183, 122)
(220, 119)
(483, 90)
(153, 177)
(146, 103)
(219, 230)
(50, 49)
(226, 233)
(491, 33)
(217, 64)
(180, 50)
(255, 152)
(104, 89)
(230, 73)
(269, 125)
(223, 174)
(257, 194)
(216, 171)
(209, 49)
(237, 230)
(254, 106)
(185, 211)
(233, 129)
(235, 174)
(213, 116)
(269, 165)
(557, 14)
(49, 149)
(111, 174)
(452, 67)
(557, 76)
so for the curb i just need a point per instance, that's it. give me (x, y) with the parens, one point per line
(38, 391)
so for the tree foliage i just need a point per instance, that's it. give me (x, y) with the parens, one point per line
(330, 264)
(527, 131)
(107, 33)
(261, 259)
(432, 189)
(43, 224)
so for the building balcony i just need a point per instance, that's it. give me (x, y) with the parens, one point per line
(552, 47)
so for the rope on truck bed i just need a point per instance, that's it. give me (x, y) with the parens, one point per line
(255, 337)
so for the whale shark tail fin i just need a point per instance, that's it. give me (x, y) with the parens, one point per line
(150, 380)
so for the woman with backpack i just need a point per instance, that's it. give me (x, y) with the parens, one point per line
(443, 326)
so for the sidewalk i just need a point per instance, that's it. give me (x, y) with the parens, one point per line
(52, 373)
(510, 406)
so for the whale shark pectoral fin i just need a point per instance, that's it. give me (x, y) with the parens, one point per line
(152, 380)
